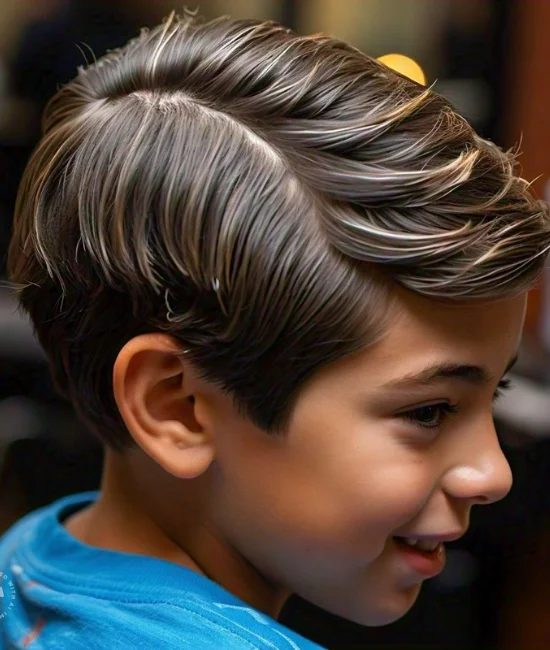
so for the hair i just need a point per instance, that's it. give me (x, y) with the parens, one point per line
(255, 194)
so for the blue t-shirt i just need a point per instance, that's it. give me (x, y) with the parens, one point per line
(59, 594)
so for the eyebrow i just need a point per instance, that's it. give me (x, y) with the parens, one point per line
(475, 375)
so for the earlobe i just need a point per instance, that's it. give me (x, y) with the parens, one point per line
(186, 461)
(153, 387)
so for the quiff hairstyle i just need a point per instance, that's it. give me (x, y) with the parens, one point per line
(254, 194)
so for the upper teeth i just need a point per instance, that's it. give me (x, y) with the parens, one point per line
(422, 544)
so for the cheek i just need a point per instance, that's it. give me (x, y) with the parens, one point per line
(302, 533)
(325, 503)
(328, 495)
(386, 495)
(368, 482)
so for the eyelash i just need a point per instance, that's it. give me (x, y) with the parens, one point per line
(444, 409)
(503, 386)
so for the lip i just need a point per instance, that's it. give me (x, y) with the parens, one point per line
(426, 564)
(444, 537)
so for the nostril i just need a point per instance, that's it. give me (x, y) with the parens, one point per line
(483, 500)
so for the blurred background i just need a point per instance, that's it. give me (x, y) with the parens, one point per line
(489, 57)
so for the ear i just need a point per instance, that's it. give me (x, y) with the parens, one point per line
(154, 386)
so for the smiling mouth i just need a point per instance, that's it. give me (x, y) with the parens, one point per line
(425, 557)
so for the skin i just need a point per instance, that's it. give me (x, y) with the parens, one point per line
(314, 511)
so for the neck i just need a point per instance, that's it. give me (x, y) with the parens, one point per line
(144, 511)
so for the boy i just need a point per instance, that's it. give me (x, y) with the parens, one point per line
(283, 285)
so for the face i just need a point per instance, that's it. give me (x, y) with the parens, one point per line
(397, 442)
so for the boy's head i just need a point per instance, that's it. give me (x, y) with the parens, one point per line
(279, 268)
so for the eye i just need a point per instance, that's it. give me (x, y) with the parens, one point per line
(503, 386)
(430, 416)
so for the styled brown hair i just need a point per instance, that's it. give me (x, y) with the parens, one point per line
(253, 193)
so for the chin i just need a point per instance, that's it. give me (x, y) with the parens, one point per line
(375, 612)
(389, 608)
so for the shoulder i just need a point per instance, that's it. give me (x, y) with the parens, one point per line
(237, 626)
(41, 520)
(150, 625)
(202, 624)
(13, 537)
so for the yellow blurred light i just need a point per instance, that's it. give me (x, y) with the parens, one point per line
(405, 66)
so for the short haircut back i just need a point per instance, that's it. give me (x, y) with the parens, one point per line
(254, 194)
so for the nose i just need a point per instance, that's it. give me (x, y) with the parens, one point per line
(481, 475)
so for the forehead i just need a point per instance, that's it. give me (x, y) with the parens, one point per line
(420, 332)
(478, 332)
(418, 316)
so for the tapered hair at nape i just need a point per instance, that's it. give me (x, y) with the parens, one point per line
(255, 194)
